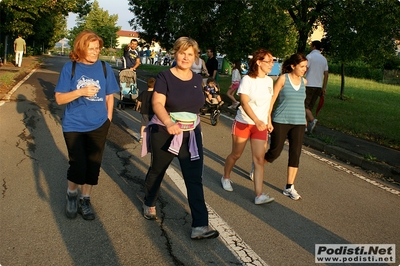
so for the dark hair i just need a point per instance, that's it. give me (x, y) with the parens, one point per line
(294, 59)
(236, 65)
(210, 80)
(316, 44)
(150, 82)
(259, 54)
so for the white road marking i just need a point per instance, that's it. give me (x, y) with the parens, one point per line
(232, 240)
(344, 169)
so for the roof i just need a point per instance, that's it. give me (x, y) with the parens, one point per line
(128, 33)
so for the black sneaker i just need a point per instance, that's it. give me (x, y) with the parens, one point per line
(85, 209)
(71, 209)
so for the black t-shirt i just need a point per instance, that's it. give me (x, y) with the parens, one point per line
(182, 96)
(211, 65)
(145, 99)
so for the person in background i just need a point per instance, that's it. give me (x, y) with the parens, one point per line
(212, 92)
(131, 55)
(144, 105)
(88, 94)
(288, 118)
(252, 122)
(199, 66)
(175, 131)
(212, 64)
(148, 54)
(234, 85)
(19, 49)
(317, 78)
(152, 56)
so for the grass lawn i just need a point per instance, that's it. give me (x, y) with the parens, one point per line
(370, 110)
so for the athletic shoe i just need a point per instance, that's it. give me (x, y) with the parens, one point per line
(291, 193)
(251, 174)
(149, 212)
(71, 209)
(234, 105)
(85, 209)
(203, 232)
(263, 198)
(311, 126)
(226, 184)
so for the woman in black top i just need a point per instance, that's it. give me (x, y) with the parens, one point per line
(175, 131)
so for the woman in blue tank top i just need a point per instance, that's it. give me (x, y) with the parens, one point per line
(289, 117)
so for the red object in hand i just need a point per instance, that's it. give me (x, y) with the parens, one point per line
(320, 103)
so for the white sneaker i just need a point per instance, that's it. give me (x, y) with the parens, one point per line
(263, 198)
(226, 184)
(291, 193)
(251, 174)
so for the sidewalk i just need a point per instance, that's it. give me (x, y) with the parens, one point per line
(358, 152)
(28, 63)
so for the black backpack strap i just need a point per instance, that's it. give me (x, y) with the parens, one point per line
(74, 66)
(104, 69)
(73, 69)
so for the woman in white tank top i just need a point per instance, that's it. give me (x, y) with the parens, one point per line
(199, 66)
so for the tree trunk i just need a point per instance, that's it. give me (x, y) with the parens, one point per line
(342, 80)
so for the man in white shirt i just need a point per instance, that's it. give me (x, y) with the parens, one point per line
(317, 78)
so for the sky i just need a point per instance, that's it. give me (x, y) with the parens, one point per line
(114, 7)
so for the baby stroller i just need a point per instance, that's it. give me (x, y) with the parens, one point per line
(211, 108)
(128, 89)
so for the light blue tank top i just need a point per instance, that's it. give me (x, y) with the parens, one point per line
(290, 104)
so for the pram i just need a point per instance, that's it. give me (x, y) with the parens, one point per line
(211, 108)
(128, 89)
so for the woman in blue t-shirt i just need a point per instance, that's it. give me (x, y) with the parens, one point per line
(174, 131)
(88, 92)
(289, 117)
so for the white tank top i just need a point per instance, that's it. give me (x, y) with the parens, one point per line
(196, 68)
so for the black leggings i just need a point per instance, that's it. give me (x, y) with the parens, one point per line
(295, 134)
(85, 152)
(192, 172)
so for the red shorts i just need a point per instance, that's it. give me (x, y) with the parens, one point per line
(248, 131)
(235, 85)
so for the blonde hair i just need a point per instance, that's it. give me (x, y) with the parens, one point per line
(184, 43)
(81, 44)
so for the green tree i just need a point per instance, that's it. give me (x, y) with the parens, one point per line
(236, 28)
(305, 15)
(39, 21)
(363, 30)
(99, 21)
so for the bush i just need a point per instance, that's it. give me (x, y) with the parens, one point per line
(357, 69)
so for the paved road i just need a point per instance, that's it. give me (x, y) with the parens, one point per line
(339, 206)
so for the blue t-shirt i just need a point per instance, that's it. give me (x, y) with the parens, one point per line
(86, 113)
(182, 96)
